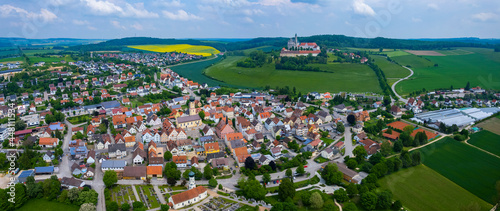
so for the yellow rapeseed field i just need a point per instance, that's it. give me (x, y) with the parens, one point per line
(183, 48)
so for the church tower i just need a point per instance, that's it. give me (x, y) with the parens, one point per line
(296, 41)
(192, 109)
(192, 183)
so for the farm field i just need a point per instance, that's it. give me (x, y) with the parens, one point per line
(486, 140)
(391, 70)
(36, 59)
(396, 53)
(261, 48)
(492, 124)
(421, 188)
(340, 77)
(477, 68)
(13, 59)
(183, 48)
(468, 167)
(193, 71)
(45, 205)
(40, 51)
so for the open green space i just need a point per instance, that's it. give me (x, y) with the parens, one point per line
(78, 119)
(45, 205)
(421, 188)
(339, 77)
(486, 140)
(40, 51)
(13, 59)
(193, 71)
(261, 48)
(468, 167)
(391, 81)
(396, 53)
(390, 69)
(478, 68)
(454, 52)
(327, 141)
(36, 59)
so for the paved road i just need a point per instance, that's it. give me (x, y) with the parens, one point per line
(348, 142)
(394, 85)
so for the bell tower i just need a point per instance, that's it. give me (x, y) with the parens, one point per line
(192, 183)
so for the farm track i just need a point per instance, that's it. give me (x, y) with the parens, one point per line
(402, 79)
(466, 142)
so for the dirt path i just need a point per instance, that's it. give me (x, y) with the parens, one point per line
(433, 141)
(402, 79)
(466, 142)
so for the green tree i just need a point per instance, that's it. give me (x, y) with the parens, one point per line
(167, 156)
(351, 163)
(330, 206)
(266, 178)
(385, 148)
(340, 127)
(289, 173)
(137, 205)
(63, 197)
(340, 195)
(352, 190)
(300, 170)
(212, 182)
(316, 200)
(207, 172)
(252, 188)
(21, 197)
(360, 153)
(109, 178)
(369, 200)
(125, 207)
(201, 114)
(33, 189)
(164, 207)
(20, 125)
(88, 207)
(384, 200)
(286, 189)
(73, 195)
(349, 206)
(112, 206)
(89, 196)
(331, 174)
(305, 197)
(351, 119)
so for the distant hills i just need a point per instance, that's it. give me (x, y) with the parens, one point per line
(334, 41)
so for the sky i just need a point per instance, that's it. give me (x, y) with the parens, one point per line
(110, 19)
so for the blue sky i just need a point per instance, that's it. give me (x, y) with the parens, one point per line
(107, 19)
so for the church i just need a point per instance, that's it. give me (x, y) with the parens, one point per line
(191, 196)
(294, 48)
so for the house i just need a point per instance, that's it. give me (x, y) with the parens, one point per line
(395, 110)
(188, 197)
(91, 157)
(113, 165)
(154, 171)
(180, 161)
(276, 151)
(370, 146)
(324, 116)
(189, 121)
(70, 182)
(139, 156)
(48, 142)
(48, 157)
(221, 163)
(117, 151)
(135, 172)
(328, 153)
(212, 147)
(208, 131)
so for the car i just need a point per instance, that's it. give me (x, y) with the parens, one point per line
(305, 166)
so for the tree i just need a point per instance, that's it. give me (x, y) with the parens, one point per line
(88, 207)
(249, 163)
(385, 148)
(398, 146)
(352, 189)
(20, 125)
(252, 188)
(331, 174)
(137, 205)
(89, 196)
(212, 182)
(21, 197)
(266, 178)
(73, 195)
(33, 189)
(384, 200)
(207, 172)
(375, 158)
(360, 153)
(351, 119)
(397, 205)
(330, 206)
(349, 206)
(167, 156)
(351, 163)
(164, 207)
(171, 181)
(467, 87)
(305, 197)
(201, 114)
(109, 178)
(272, 164)
(289, 173)
(340, 127)
(286, 189)
(316, 200)
(369, 200)
(112, 206)
(300, 170)
(340, 195)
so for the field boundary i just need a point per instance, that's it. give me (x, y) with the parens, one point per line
(480, 148)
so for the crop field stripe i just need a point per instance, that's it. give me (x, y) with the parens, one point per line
(471, 168)
(486, 140)
(183, 48)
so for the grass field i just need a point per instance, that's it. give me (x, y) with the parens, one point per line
(486, 140)
(454, 52)
(78, 119)
(40, 51)
(421, 188)
(44, 205)
(396, 53)
(36, 59)
(471, 168)
(261, 48)
(492, 124)
(13, 59)
(479, 68)
(183, 48)
(340, 77)
(391, 70)
(193, 71)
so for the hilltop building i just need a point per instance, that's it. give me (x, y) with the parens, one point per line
(294, 48)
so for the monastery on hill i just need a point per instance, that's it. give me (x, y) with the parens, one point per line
(294, 48)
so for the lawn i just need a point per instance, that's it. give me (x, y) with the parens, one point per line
(479, 68)
(12, 59)
(45, 205)
(40, 51)
(390, 69)
(78, 119)
(320, 159)
(471, 168)
(327, 141)
(396, 53)
(486, 140)
(421, 188)
(339, 77)
(183, 48)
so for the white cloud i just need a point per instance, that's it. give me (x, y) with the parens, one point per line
(59, 2)
(138, 11)
(103, 7)
(252, 12)
(137, 26)
(247, 20)
(117, 25)
(361, 8)
(485, 16)
(79, 22)
(173, 3)
(433, 6)
(416, 20)
(91, 28)
(181, 15)
(44, 15)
